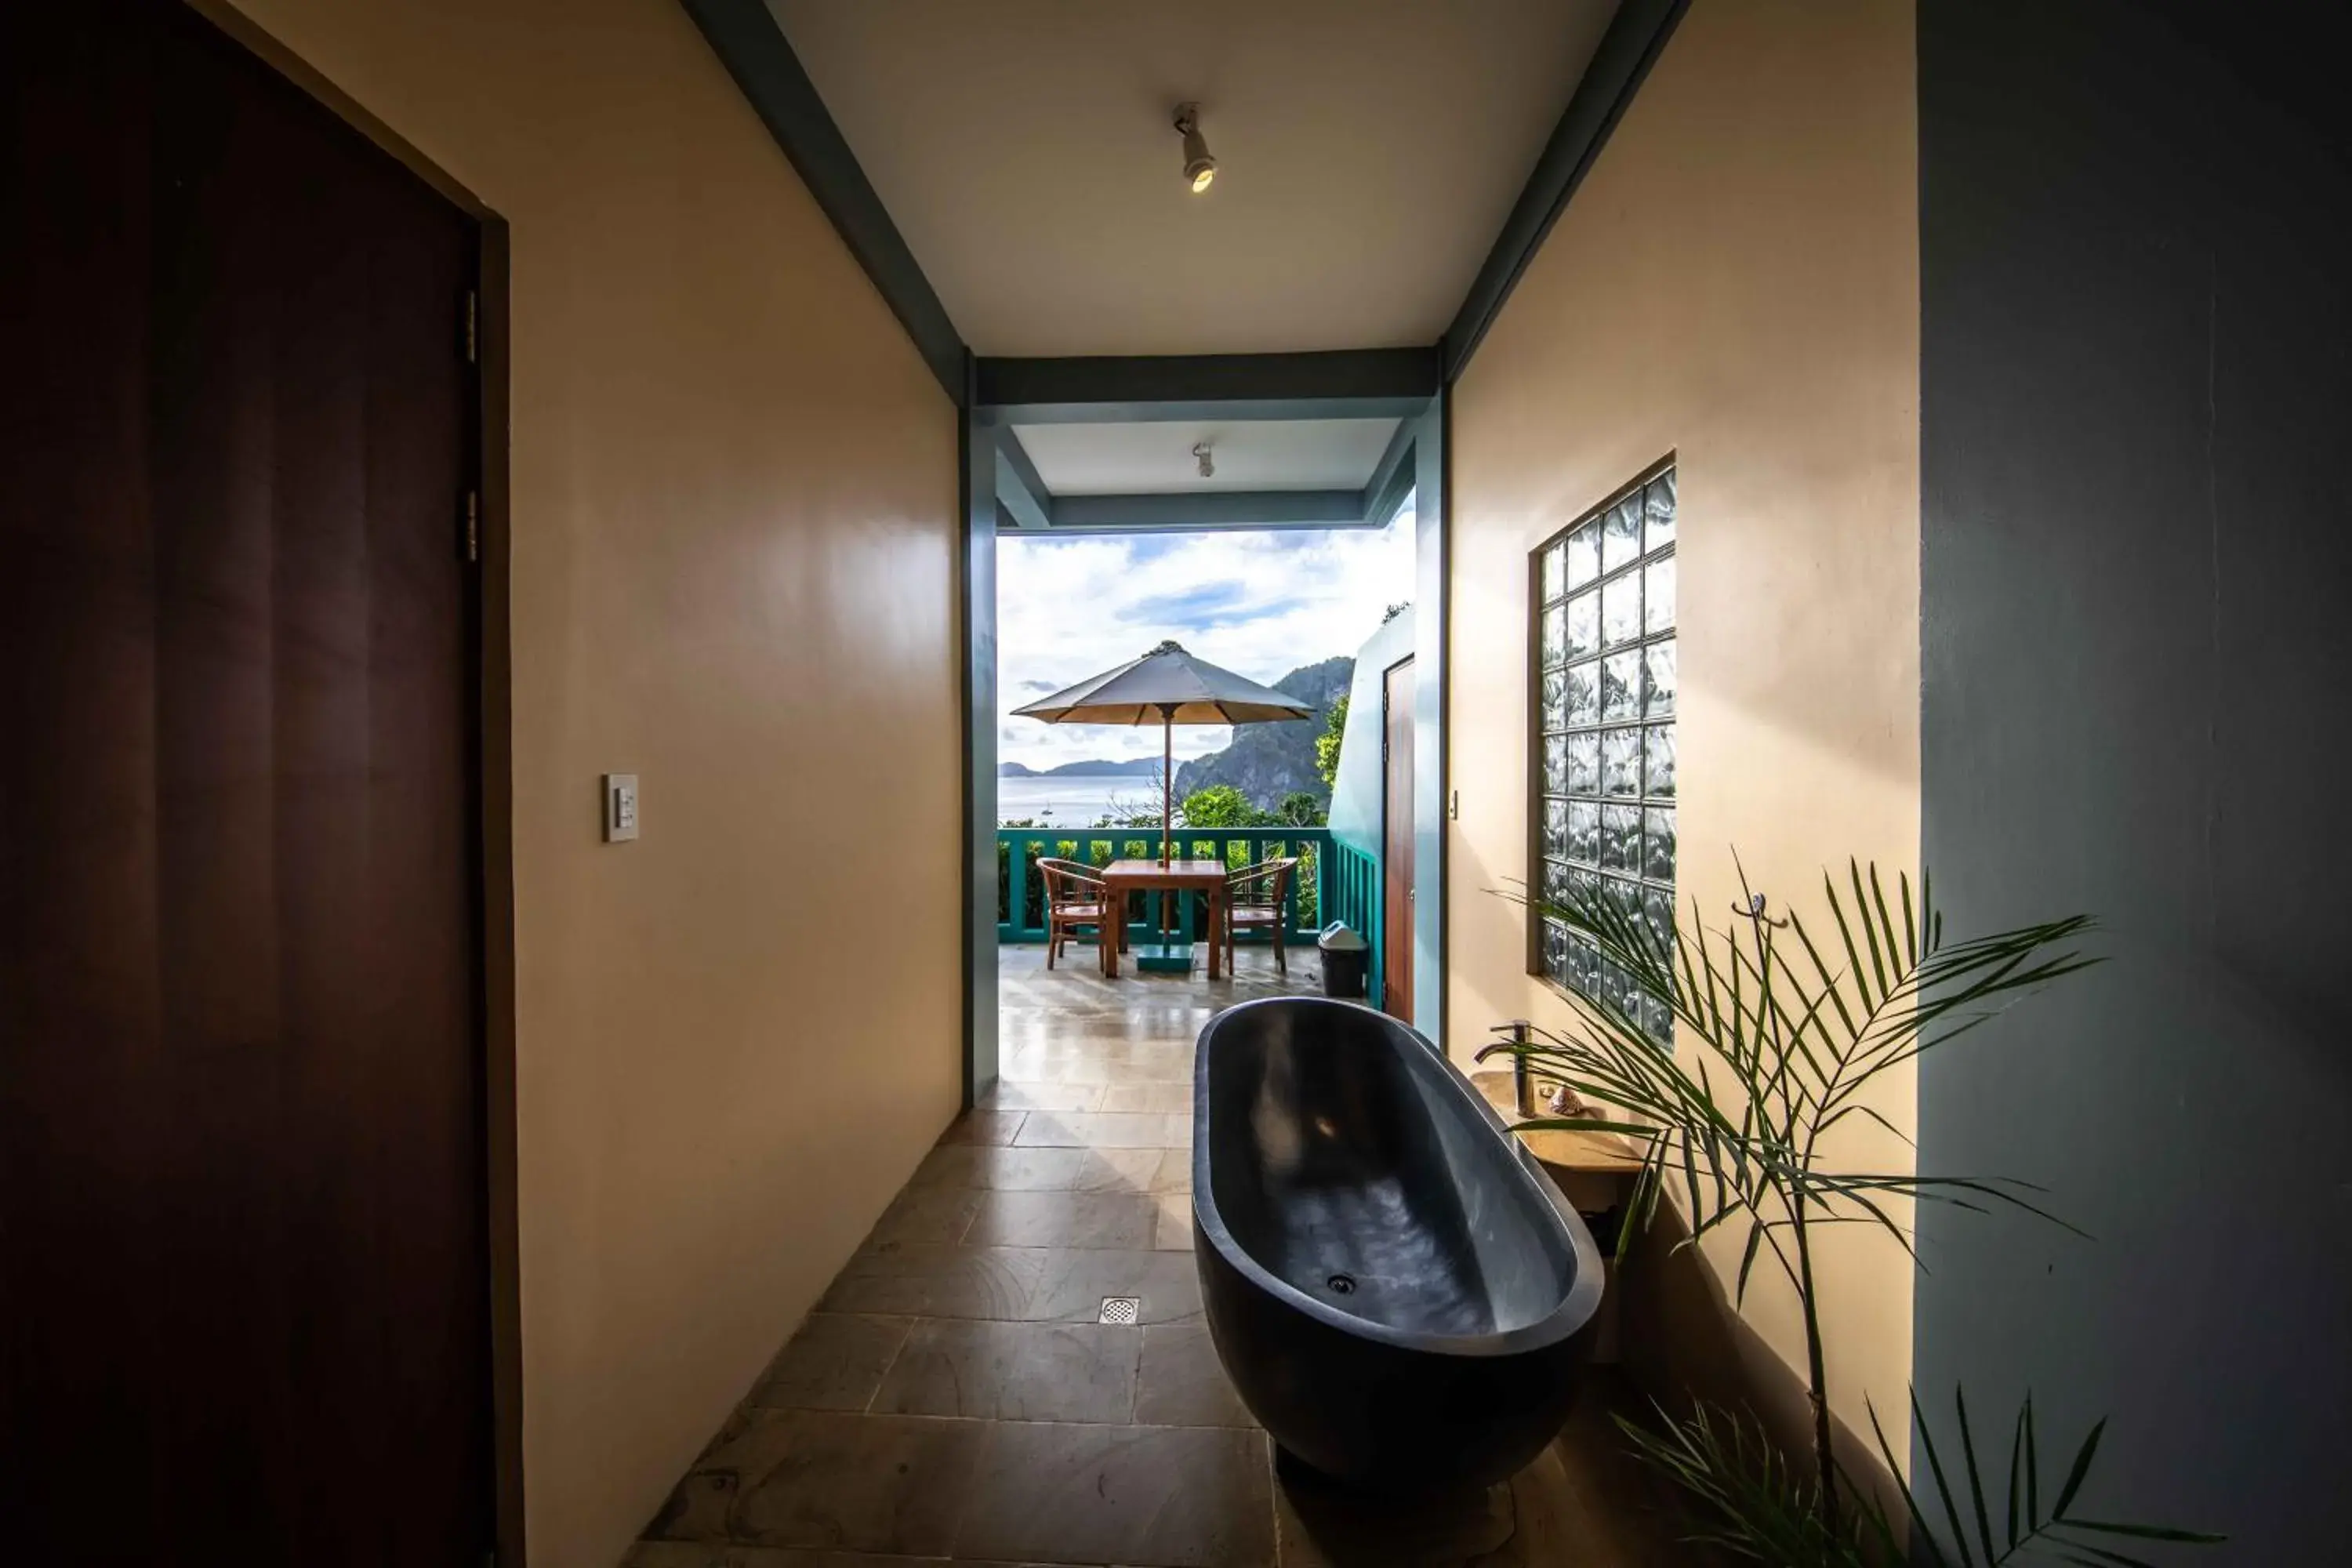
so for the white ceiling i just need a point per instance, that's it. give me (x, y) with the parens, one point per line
(1368, 151)
(1249, 455)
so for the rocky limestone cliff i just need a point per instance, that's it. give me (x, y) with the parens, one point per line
(1267, 762)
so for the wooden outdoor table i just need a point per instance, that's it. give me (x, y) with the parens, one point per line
(1121, 877)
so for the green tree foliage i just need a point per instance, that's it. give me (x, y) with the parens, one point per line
(1327, 744)
(1219, 806)
(1299, 808)
(1222, 806)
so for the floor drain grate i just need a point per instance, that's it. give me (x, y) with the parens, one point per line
(1121, 1310)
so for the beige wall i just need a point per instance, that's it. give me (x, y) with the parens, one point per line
(1735, 282)
(734, 491)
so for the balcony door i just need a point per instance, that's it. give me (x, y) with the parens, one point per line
(1396, 841)
(244, 1192)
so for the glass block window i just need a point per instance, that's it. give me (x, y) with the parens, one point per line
(1604, 728)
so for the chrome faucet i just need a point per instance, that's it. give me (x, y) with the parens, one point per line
(1515, 1036)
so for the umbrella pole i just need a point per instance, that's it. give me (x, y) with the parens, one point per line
(1167, 779)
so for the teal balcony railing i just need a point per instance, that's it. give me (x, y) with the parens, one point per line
(1351, 883)
(1317, 895)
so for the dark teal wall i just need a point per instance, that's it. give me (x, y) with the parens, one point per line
(2137, 586)
(978, 608)
(1429, 767)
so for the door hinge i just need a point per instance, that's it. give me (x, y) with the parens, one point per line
(473, 525)
(473, 328)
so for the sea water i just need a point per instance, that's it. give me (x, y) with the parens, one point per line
(1076, 800)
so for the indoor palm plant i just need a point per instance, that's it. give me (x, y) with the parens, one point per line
(1788, 1027)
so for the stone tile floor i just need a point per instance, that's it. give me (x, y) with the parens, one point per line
(954, 1397)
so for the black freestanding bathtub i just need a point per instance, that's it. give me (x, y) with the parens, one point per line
(1397, 1290)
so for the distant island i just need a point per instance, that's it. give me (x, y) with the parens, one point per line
(1133, 768)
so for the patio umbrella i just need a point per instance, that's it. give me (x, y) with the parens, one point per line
(1174, 688)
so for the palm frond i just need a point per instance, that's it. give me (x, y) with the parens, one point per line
(1794, 1032)
(1747, 1499)
(1797, 1036)
(1956, 1527)
(1744, 1498)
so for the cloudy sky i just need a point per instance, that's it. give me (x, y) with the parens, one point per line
(1258, 604)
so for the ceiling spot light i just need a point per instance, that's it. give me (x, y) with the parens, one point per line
(1200, 169)
(1208, 460)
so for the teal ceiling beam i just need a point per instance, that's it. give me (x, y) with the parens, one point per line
(1023, 493)
(1340, 383)
(1393, 476)
(1208, 511)
(1017, 510)
(749, 43)
(1635, 37)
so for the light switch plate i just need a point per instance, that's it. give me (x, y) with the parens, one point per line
(620, 808)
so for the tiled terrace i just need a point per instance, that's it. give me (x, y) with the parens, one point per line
(955, 1398)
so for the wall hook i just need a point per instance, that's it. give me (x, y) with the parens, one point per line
(1754, 911)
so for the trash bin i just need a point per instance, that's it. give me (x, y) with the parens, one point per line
(1346, 956)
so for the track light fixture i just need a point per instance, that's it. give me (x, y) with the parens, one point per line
(1208, 460)
(1200, 168)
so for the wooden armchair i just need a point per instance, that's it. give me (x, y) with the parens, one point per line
(1074, 897)
(1255, 901)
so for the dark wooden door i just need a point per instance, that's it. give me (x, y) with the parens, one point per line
(1396, 841)
(242, 1197)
